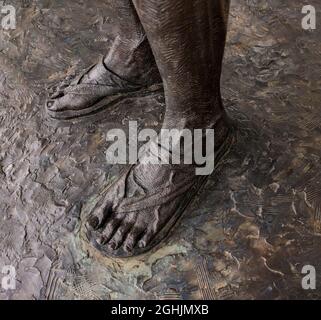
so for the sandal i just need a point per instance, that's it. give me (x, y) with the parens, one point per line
(176, 196)
(81, 99)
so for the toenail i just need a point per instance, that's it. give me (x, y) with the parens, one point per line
(50, 104)
(99, 241)
(93, 222)
(142, 244)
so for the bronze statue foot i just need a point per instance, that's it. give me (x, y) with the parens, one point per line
(144, 204)
(97, 88)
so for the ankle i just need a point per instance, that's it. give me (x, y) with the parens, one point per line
(133, 62)
(215, 119)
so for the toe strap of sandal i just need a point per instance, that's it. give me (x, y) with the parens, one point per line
(172, 191)
(110, 80)
(89, 89)
(167, 194)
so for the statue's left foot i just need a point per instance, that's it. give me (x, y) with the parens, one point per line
(141, 208)
(93, 91)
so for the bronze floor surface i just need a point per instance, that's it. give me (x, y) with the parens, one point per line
(258, 221)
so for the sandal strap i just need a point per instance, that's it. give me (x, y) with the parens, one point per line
(167, 194)
(89, 89)
(171, 192)
(112, 81)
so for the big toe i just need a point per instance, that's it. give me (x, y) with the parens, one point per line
(57, 104)
(99, 216)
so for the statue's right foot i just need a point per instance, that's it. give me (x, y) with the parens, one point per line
(140, 209)
(95, 90)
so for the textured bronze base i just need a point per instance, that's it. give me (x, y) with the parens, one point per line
(250, 231)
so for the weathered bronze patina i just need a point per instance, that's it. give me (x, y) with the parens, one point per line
(185, 41)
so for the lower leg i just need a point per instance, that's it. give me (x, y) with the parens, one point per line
(188, 39)
(130, 55)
